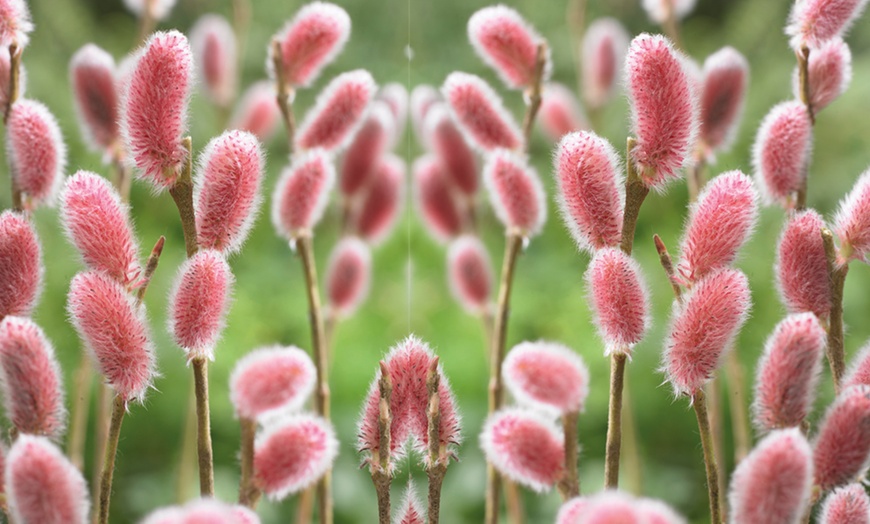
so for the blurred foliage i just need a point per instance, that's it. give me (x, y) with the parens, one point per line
(409, 293)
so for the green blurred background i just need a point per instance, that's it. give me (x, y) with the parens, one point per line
(269, 304)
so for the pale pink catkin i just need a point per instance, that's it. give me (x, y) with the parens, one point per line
(95, 93)
(37, 153)
(213, 44)
(859, 369)
(410, 511)
(480, 114)
(395, 95)
(841, 450)
(302, 193)
(571, 511)
(203, 511)
(604, 47)
(723, 96)
(158, 9)
(469, 271)
(257, 111)
(515, 192)
(439, 207)
(448, 143)
(782, 150)
(852, 221)
(348, 276)
(802, 276)
(608, 507)
(271, 378)
(423, 97)
(21, 269)
(380, 204)
(560, 112)
(830, 72)
(508, 44)
(846, 505)
(658, 10)
(15, 23)
(366, 149)
(338, 112)
(548, 376)
(813, 22)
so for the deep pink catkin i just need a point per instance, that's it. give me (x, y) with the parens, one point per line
(852, 222)
(859, 369)
(437, 203)
(664, 108)
(423, 97)
(788, 372)
(410, 511)
(302, 193)
(619, 299)
(271, 378)
(802, 275)
(348, 276)
(548, 376)
(604, 46)
(841, 451)
(15, 23)
(213, 44)
(469, 272)
(37, 153)
(830, 72)
(448, 143)
(158, 9)
(31, 379)
(257, 111)
(114, 328)
(480, 114)
(782, 150)
(292, 453)
(98, 225)
(227, 193)
(508, 44)
(95, 93)
(380, 204)
(560, 112)
(366, 149)
(199, 302)
(338, 112)
(42, 486)
(723, 95)
(846, 505)
(154, 115)
(515, 192)
(395, 95)
(587, 171)
(524, 446)
(659, 10)
(21, 267)
(813, 22)
(772, 484)
(720, 222)
(310, 41)
(703, 327)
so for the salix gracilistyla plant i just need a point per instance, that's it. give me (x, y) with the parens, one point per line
(14, 36)
(409, 400)
(380, 203)
(213, 43)
(21, 269)
(848, 504)
(369, 144)
(470, 275)
(36, 153)
(256, 111)
(841, 449)
(348, 277)
(601, 56)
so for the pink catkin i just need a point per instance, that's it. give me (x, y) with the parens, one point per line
(852, 222)
(703, 327)
(348, 276)
(788, 373)
(338, 112)
(548, 376)
(664, 108)
(846, 505)
(571, 511)
(203, 511)
(98, 225)
(271, 378)
(448, 143)
(469, 272)
(213, 44)
(154, 115)
(114, 328)
(366, 149)
(830, 72)
(439, 207)
(813, 22)
(15, 23)
(658, 10)
(480, 114)
(508, 44)
(587, 170)
(782, 150)
(802, 275)
(302, 193)
(619, 299)
(842, 446)
(395, 95)
(423, 97)
(293, 453)
(95, 93)
(227, 194)
(524, 446)
(772, 484)
(159, 9)
(31, 379)
(604, 47)
(723, 96)
(410, 511)
(21, 269)
(199, 303)
(657, 512)
(380, 204)
(42, 486)
(37, 153)
(257, 111)
(560, 112)
(515, 192)
(859, 369)
(310, 41)
(720, 223)
(609, 507)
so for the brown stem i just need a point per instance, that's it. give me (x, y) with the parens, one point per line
(380, 466)
(123, 179)
(188, 449)
(249, 495)
(671, 25)
(614, 420)
(696, 178)
(803, 60)
(305, 506)
(714, 416)
(283, 97)
(668, 266)
(104, 397)
(438, 458)
(569, 486)
(147, 22)
(79, 418)
(14, 78)
(150, 267)
(182, 194)
(203, 427)
(635, 193)
(119, 407)
(700, 405)
(838, 272)
(513, 244)
(739, 415)
(533, 94)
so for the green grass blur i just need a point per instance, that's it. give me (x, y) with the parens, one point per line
(269, 301)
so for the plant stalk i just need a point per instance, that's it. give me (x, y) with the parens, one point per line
(614, 420)
(569, 486)
(738, 404)
(699, 403)
(438, 458)
(284, 95)
(533, 102)
(380, 467)
(119, 407)
(838, 272)
(249, 495)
